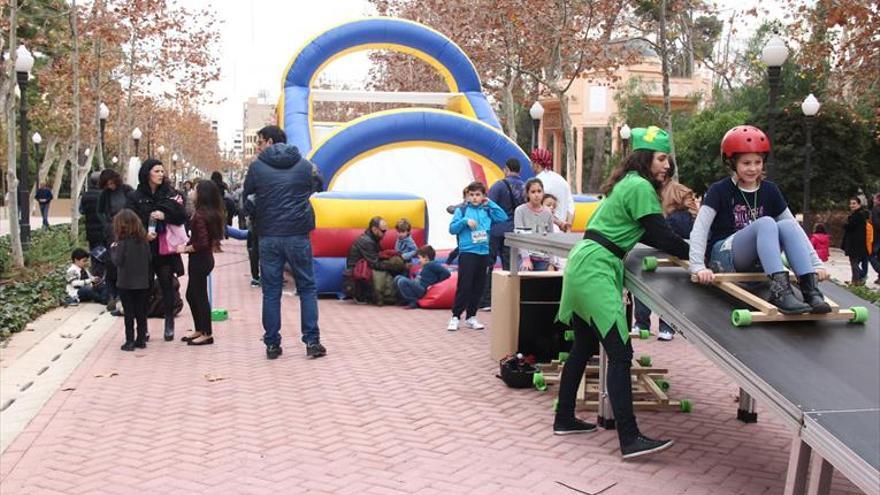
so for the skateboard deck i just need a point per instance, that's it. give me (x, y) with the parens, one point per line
(762, 311)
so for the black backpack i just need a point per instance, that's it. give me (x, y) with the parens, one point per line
(517, 197)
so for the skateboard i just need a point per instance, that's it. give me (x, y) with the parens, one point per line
(763, 310)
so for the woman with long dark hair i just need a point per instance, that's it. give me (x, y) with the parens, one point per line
(112, 200)
(158, 204)
(592, 286)
(207, 227)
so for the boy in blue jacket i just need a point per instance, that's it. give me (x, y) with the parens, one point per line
(432, 272)
(471, 223)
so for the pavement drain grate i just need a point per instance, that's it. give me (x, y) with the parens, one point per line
(26, 386)
(43, 370)
(55, 358)
(7, 404)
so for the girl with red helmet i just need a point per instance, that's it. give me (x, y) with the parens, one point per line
(744, 224)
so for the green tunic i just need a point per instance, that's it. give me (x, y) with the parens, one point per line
(592, 286)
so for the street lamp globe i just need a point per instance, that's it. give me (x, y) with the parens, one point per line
(537, 111)
(87, 151)
(24, 61)
(136, 133)
(625, 132)
(810, 106)
(174, 157)
(114, 160)
(36, 138)
(774, 52)
(103, 112)
(161, 150)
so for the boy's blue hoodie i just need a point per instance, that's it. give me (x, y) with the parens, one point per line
(475, 241)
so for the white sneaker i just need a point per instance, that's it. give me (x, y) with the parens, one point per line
(453, 324)
(473, 323)
(665, 334)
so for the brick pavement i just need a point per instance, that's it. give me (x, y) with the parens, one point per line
(399, 405)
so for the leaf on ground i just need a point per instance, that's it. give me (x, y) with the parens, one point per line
(214, 377)
(68, 389)
(106, 374)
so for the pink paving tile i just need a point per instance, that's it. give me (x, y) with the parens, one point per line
(399, 405)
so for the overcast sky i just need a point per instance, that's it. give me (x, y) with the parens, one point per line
(260, 36)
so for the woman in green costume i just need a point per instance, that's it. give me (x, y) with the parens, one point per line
(592, 287)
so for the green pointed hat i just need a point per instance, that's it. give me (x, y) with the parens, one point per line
(652, 138)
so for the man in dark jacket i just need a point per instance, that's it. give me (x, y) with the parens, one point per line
(282, 181)
(366, 247)
(507, 193)
(854, 243)
(874, 255)
(88, 207)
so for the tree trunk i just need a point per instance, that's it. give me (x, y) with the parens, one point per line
(43, 172)
(598, 161)
(664, 62)
(567, 138)
(129, 109)
(96, 84)
(12, 178)
(508, 106)
(59, 172)
(75, 170)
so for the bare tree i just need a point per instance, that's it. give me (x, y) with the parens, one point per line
(9, 106)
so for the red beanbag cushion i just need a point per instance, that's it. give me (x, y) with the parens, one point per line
(440, 295)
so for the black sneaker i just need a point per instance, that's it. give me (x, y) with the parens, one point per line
(128, 346)
(315, 350)
(643, 445)
(140, 344)
(273, 351)
(572, 426)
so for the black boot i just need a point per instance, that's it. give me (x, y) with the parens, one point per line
(169, 329)
(782, 296)
(809, 284)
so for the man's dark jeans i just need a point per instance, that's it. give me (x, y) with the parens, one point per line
(296, 251)
(496, 249)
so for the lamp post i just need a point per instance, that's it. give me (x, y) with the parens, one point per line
(174, 165)
(810, 107)
(625, 134)
(774, 55)
(537, 113)
(37, 139)
(114, 160)
(103, 114)
(136, 135)
(24, 62)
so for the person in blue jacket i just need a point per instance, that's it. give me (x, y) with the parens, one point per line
(472, 223)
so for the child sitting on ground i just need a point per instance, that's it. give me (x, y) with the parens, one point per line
(432, 272)
(405, 244)
(81, 285)
(820, 241)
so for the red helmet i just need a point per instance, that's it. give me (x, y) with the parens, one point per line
(744, 139)
(542, 157)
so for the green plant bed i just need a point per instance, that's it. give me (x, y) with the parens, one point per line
(28, 292)
(866, 293)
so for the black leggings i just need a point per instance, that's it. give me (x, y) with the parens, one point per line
(585, 346)
(200, 266)
(134, 308)
(471, 279)
(165, 273)
(253, 248)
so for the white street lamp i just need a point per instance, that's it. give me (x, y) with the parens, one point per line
(103, 112)
(810, 106)
(136, 135)
(625, 132)
(36, 138)
(537, 113)
(774, 52)
(87, 152)
(161, 150)
(24, 61)
(114, 160)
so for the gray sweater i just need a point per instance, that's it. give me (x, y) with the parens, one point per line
(132, 261)
(536, 223)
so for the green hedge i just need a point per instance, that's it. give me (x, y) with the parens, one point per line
(29, 292)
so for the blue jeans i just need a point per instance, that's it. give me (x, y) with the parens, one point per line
(44, 211)
(760, 244)
(296, 251)
(643, 317)
(410, 290)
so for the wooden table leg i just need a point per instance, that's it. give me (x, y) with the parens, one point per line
(798, 464)
(820, 476)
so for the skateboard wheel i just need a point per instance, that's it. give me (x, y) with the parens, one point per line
(645, 361)
(644, 334)
(649, 263)
(568, 335)
(663, 384)
(538, 381)
(686, 405)
(219, 315)
(860, 314)
(741, 317)
(563, 357)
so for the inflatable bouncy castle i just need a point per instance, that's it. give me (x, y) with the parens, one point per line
(453, 145)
